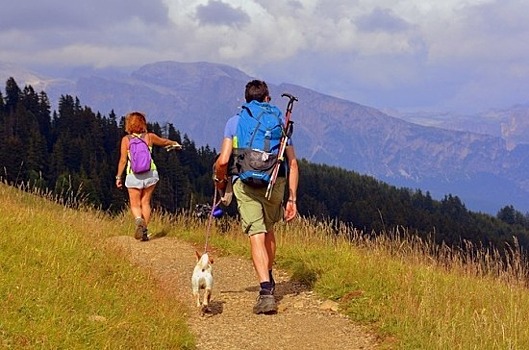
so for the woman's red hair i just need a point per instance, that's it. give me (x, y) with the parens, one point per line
(135, 123)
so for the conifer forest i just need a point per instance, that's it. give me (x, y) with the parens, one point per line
(73, 153)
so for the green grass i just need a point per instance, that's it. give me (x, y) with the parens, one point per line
(412, 295)
(62, 286)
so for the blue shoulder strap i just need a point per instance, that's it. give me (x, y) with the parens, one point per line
(257, 121)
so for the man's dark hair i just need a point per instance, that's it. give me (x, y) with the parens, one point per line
(256, 90)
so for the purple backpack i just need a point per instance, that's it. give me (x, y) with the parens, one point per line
(139, 154)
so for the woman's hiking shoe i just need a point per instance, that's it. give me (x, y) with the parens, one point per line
(266, 304)
(145, 236)
(140, 228)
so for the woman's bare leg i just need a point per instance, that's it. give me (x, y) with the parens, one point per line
(146, 196)
(135, 195)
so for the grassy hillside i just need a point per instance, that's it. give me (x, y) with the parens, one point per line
(62, 286)
(415, 296)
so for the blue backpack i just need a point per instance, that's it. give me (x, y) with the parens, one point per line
(139, 154)
(257, 142)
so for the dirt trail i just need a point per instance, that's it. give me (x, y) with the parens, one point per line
(303, 321)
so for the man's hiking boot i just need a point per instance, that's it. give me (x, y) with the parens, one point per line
(140, 228)
(266, 304)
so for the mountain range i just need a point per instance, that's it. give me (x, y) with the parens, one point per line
(484, 159)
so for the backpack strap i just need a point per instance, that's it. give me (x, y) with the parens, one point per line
(144, 138)
(248, 110)
(140, 137)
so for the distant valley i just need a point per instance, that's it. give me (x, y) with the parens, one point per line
(482, 159)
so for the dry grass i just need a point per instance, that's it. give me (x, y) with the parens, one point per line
(414, 294)
(60, 287)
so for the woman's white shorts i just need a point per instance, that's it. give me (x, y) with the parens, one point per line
(141, 181)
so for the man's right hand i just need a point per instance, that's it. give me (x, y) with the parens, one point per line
(220, 184)
(220, 176)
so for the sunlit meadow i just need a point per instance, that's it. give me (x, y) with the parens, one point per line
(63, 286)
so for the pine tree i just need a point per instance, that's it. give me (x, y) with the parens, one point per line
(12, 95)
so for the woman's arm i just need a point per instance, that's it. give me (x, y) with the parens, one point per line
(160, 141)
(122, 161)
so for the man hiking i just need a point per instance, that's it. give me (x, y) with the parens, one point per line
(259, 125)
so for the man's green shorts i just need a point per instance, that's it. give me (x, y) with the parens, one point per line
(259, 214)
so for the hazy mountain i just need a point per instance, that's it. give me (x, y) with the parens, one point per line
(198, 98)
(511, 124)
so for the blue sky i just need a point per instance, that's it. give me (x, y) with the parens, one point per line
(450, 55)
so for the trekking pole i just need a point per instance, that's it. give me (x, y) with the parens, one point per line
(283, 145)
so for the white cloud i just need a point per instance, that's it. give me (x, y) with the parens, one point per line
(380, 51)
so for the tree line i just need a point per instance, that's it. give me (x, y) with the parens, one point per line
(74, 152)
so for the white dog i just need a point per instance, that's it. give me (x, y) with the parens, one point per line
(202, 279)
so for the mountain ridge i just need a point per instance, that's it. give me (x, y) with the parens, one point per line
(198, 98)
